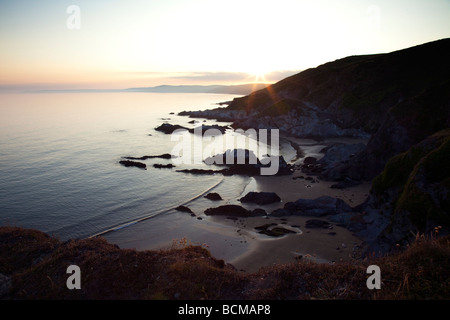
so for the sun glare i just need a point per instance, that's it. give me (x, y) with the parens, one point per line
(258, 76)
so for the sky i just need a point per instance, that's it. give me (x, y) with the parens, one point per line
(114, 44)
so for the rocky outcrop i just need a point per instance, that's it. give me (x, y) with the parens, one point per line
(410, 197)
(318, 207)
(214, 196)
(273, 230)
(213, 129)
(414, 192)
(260, 198)
(168, 128)
(336, 158)
(183, 209)
(233, 210)
(243, 161)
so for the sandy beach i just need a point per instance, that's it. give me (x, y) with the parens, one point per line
(238, 242)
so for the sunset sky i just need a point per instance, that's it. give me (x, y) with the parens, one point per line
(121, 44)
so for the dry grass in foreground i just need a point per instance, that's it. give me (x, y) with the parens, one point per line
(34, 266)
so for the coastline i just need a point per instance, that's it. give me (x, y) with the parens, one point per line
(237, 242)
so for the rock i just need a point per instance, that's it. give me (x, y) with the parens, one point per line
(409, 197)
(259, 212)
(162, 156)
(272, 231)
(163, 166)
(202, 129)
(245, 162)
(214, 196)
(233, 211)
(183, 209)
(260, 198)
(129, 163)
(265, 226)
(168, 128)
(309, 160)
(316, 223)
(318, 207)
(337, 157)
(201, 171)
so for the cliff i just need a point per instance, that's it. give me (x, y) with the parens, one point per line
(399, 102)
(393, 99)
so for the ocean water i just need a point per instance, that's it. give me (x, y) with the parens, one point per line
(60, 153)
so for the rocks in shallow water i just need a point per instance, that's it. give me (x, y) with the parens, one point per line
(214, 196)
(129, 163)
(234, 211)
(162, 156)
(214, 129)
(318, 207)
(168, 128)
(183, 209)
(260, 198)
(163, 166)
(201, 171)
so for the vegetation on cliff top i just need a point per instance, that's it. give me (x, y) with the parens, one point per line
(417, 182)
(35, 268)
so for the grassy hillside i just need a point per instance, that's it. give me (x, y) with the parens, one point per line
(417, 182)
(34, 267)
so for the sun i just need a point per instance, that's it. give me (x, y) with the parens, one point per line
(258, 76)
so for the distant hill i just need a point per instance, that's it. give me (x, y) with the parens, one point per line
(242, 89)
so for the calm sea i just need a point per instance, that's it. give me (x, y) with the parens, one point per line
(60, 153)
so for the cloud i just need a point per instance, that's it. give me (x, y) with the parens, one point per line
(219, 76)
